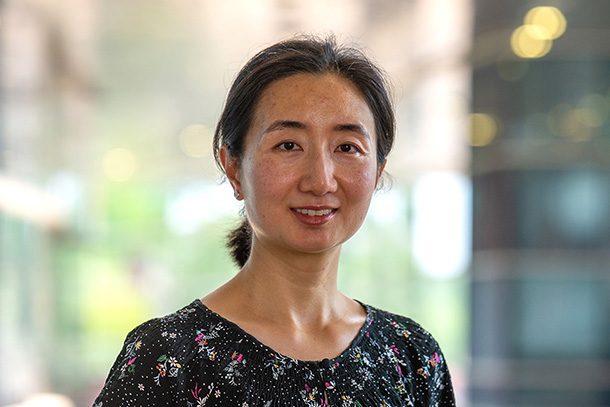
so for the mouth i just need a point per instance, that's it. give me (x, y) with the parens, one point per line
(314, 212)
(314, 216)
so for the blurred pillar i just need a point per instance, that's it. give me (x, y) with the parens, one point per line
(44, 115)
(23, 316)
(541, 217)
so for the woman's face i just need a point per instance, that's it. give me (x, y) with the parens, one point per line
(308, 169)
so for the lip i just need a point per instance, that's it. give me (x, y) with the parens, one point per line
(316, 220)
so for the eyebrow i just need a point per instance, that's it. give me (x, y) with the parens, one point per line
(355, 128)
(290, 124)
(284, 124)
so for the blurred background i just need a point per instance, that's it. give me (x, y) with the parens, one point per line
(495, 234)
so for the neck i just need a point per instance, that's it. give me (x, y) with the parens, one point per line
(297, 289)
(291, 304)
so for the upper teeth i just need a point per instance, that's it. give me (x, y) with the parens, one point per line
(312, 212)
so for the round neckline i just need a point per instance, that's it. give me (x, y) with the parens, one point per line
(315, 363)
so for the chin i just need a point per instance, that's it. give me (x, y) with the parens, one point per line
(317, 246)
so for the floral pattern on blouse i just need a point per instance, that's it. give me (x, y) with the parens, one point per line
(195, 358)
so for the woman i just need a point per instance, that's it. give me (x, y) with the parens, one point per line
(303, 140)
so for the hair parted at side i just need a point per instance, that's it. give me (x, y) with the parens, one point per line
(301, 54)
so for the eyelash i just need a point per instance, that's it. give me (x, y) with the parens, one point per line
(354, 149)
(284, 146)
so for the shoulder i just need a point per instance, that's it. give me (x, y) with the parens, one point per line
(419, 353)
(410, 339)
(173, 333)
(166, 334)
(170, 326)
(151, 363)
(403, 326)
(178, 318)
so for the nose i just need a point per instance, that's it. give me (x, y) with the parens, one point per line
(318, 175)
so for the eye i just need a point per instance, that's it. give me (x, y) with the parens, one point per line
(348, 148)
(287, 146)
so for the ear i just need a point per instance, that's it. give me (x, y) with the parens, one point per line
(231, 167)
(379, 172)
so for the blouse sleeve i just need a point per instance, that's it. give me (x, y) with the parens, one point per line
(434, 374)
(446, 396)
(432, 380)
(144, 373)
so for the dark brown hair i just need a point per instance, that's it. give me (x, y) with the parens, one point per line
(303, 54)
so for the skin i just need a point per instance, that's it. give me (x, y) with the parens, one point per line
(311, 146)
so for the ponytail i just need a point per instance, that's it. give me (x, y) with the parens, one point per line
(239, 241)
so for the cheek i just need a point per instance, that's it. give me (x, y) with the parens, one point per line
(361, 186)
(263, 182)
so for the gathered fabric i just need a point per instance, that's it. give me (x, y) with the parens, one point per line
(195, 357)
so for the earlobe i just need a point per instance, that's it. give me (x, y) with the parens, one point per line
(231, 168)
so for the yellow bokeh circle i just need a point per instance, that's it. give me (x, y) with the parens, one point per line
(550, 18)
(484, 129)
(531, 41)
(119, 164)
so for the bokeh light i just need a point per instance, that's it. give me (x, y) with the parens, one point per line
(119, 164)
(595, 109)
(541, 25)
(580, 122)
(530, 41)
(573, 126)
(196, 140)
(484, 129)
(550, 18)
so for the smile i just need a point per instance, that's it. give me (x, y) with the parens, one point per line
(311, 212)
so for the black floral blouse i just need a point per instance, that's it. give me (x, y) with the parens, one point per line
(195, 357)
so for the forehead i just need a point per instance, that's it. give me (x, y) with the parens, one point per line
(326, 94)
